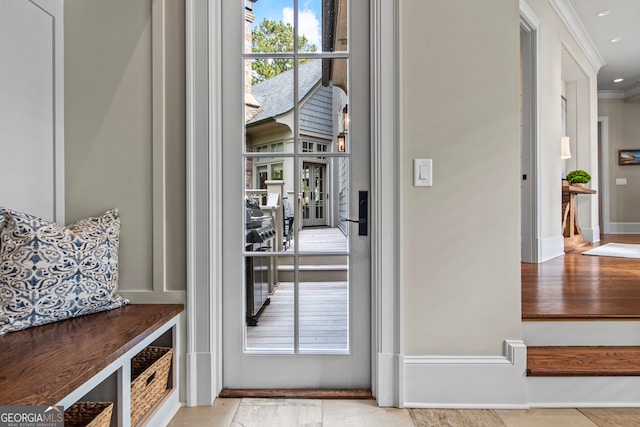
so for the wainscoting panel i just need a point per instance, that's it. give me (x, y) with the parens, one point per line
(31, 107)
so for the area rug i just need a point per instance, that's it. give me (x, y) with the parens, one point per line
(620, 250)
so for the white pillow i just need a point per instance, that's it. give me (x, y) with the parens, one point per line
(49, 272)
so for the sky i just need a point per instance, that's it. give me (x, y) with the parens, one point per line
(282, 10)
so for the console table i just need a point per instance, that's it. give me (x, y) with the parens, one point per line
(571, 230)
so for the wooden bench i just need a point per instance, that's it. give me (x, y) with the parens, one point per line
(61, 363)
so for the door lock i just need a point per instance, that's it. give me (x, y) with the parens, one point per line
(363, 213)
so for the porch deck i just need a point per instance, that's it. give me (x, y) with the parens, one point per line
(320, 239)
(323, 304)
(324, 319)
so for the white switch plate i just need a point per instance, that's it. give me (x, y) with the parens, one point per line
(422, 173)
(621, 181)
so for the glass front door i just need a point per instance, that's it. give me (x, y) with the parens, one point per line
(296, 298)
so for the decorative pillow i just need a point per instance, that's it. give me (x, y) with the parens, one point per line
(49, 272)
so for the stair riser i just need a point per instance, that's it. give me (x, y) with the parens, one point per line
(315, 260)
(315, 276)
(581, 392)
(584, 333)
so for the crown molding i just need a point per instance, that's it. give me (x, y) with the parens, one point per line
(629, 95)
(632, 94)
(530, 18)
(611, 94)
(569, 17)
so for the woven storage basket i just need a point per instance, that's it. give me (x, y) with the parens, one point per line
(149, 378)
(88, 414)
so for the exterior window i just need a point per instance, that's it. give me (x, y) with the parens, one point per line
(314, 146)
(268, 172)
(276, 171)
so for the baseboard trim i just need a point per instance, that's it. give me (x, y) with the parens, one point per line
(622, 228)
(200, 379)
(387, 374)
(591, 234)
(461, 381)
(551, 247)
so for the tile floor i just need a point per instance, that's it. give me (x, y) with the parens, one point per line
(365, 413)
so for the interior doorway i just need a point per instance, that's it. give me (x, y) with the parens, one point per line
(530, 248)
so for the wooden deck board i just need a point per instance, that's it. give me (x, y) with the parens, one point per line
(322, 239)
(323, 321)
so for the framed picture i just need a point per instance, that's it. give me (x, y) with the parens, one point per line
(629, 157)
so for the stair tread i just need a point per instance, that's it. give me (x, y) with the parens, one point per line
(583, 361)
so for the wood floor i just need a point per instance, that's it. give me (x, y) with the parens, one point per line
(577, 286)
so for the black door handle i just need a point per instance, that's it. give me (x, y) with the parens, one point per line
(363, 214)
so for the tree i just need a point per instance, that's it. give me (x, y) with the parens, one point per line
(274, 37)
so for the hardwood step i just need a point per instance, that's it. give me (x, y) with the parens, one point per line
(582, 361)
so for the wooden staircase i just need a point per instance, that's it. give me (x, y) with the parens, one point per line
(581, 326)
(583, 362)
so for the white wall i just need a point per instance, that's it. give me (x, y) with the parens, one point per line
(624, 133)
(460, 245)
(460, 238)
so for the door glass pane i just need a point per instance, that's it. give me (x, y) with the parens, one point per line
(267, 188)
(268, 102)
(269, 296)
(269, 26)
(324, 304)
(322, 26)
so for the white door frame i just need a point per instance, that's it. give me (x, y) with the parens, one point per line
(531, 245)
(204, 202)
(607, 227)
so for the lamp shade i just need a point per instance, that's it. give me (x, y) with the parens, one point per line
(565, 149)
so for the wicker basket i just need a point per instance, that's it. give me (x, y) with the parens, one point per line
(149, 378)
(88, 414)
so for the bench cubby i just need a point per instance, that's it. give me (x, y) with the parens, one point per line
(89, 358)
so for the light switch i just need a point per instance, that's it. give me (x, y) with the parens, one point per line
(621, 181)
(422, 173)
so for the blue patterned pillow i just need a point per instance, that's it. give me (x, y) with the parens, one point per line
(49, 272)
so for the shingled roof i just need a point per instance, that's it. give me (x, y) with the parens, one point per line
(275, 95)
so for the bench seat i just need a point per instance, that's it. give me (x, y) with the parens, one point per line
(45, 364)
